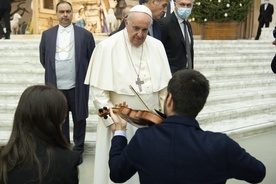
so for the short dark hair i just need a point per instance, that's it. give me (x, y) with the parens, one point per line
(189, 90)
(63, 2)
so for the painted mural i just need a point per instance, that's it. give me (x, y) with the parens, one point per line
(21, 24)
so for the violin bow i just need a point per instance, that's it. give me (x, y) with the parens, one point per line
(140, 99)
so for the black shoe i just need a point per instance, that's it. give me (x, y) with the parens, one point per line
(80, 152)
(81, 159)
(7, 37)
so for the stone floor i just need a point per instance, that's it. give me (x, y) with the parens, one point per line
(261, 146)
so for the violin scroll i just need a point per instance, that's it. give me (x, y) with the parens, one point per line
(103, 112)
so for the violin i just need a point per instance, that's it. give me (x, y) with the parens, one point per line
(138, 118)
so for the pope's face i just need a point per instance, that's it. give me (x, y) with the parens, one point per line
(64, 14)
(137, 25)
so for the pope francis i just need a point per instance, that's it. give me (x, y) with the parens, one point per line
(129, 57)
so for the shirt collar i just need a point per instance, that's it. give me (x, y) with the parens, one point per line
(180, 119)
(67, 29)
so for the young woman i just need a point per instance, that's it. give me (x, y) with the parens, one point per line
(37, 151)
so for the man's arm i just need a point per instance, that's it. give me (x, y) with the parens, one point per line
(90, 45)
(244, 166)
(120, 168)
(42, 50)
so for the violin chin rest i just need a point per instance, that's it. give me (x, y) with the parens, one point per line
(161, 114)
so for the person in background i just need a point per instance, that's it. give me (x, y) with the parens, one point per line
(158, 9)
(5, 9)
(178, 150)
(170, 7)
(265, 17)
(37, 151)
(65, 52)
(129, 57)
(273, 62)
(177, 36)
(125, 12)
(80, 17)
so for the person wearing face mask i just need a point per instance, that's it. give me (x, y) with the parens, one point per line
(177, 36)
(265, 16)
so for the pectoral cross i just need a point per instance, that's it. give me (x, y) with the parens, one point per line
(139, 83)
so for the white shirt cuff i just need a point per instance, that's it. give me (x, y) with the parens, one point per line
(120, 133)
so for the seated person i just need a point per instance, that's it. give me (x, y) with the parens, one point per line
(37, 151)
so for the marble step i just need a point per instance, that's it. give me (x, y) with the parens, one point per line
(34, 66)
(8, 100)
(244, 108)
(235, 128)
(213, 111)
(89, 145)
(211, 46)
(242, 86)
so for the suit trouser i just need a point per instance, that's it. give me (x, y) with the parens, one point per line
(261, 25)
(5, 14)
(79, 126)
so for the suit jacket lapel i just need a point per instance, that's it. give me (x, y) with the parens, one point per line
(190, 33)
(77, 46)
(156, 30)
(53, 43)
(177, 28)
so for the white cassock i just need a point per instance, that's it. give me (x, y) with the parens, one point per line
(114, 66)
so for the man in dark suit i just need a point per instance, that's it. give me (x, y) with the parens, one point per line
(5, 9)
(273, 62)
(65, 52)
(178, 150)
(265, 17)
(158, 8)
(125, 12)
(179, 49)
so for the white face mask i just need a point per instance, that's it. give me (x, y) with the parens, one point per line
(184, 12)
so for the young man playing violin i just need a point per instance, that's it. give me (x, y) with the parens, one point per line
(177, 150)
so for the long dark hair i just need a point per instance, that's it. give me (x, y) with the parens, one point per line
(38, 118)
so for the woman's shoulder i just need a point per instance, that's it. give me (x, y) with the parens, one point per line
(63, 154)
